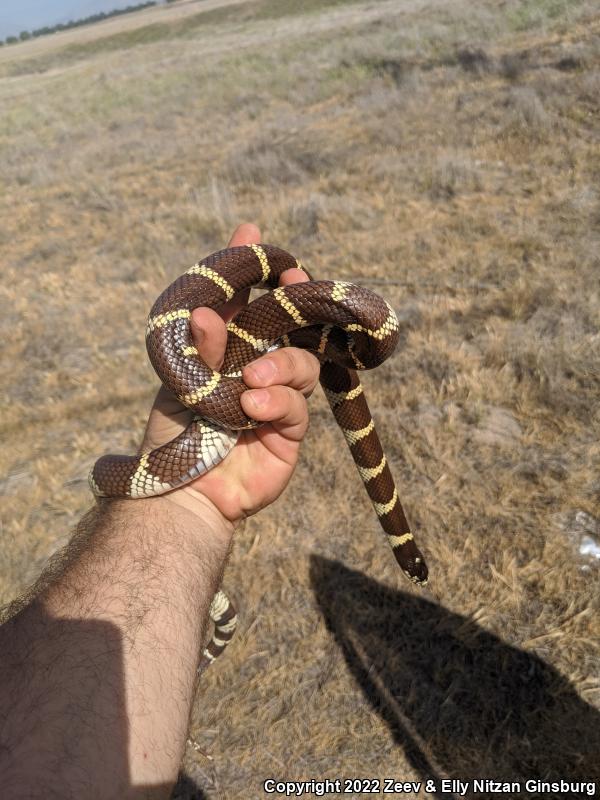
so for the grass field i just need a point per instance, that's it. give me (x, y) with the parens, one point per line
(444, 153)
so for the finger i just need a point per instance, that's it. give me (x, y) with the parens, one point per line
(229, 309)
(209, 334)
(284, 407)
(246, 233)
(293, 275)
(289, 366)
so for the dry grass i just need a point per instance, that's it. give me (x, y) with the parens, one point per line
(445, 156)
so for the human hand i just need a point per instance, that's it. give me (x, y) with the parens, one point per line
(261, 464)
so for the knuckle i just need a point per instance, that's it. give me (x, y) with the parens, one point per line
(300, 364)
(315, 365)
(289, 360)
(291, 396)
(294, 401)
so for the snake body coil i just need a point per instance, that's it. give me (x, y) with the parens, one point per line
(346, 326)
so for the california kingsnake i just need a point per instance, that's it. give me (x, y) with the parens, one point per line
(347, 327)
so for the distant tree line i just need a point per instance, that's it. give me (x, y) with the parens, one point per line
(24, 35)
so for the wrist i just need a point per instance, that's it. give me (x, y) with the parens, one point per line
(175, 525)
(195, 504)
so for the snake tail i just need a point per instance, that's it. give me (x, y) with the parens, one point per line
(224, 617)
(347, 401)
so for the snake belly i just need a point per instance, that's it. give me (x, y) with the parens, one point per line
(347, 327)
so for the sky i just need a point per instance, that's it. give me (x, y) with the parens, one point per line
(26, 15)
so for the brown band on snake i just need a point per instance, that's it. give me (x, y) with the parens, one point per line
(350, 409)
(346, 326)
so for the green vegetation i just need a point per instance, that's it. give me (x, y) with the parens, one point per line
(102, 15)
(533, 13)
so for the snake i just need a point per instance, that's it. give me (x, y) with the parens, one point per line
(346, 326)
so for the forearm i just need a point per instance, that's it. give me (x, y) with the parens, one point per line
(97, 672)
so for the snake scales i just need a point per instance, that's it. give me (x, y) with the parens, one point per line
(347, 327)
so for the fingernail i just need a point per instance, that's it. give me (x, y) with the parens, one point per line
(259, 397)
(264, 369)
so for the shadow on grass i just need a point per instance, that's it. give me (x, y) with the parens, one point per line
(460, 702)
(187, 789)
